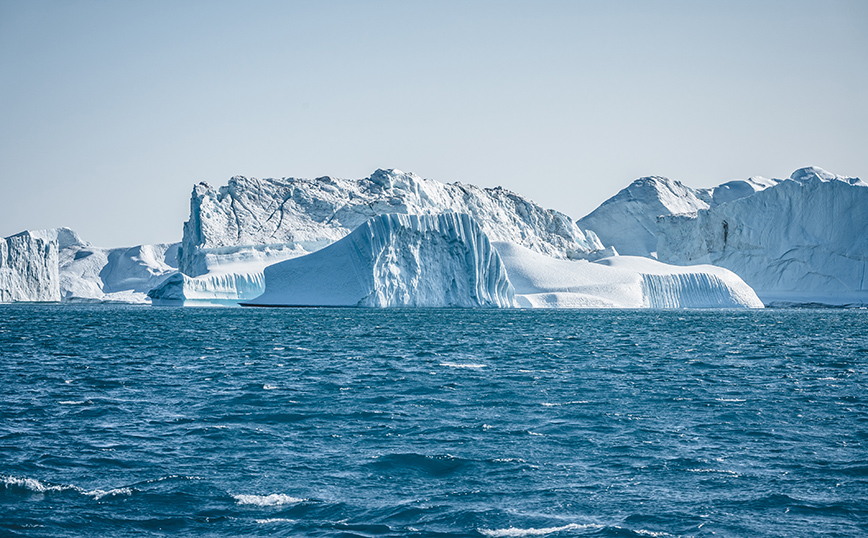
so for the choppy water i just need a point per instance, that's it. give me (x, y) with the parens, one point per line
(124, 421)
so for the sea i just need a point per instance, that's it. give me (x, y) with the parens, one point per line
(149, 421)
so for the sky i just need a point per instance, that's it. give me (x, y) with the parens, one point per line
(110, 111)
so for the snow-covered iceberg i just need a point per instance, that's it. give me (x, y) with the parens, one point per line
(268, 220)
(620, 282)
(396, 260)
(628, 220)
(28, 268)
(111, 275)
(802, 241)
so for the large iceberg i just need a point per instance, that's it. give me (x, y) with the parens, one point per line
(267, 220)
(446, 260)
(802, 241)
(396, 260)
(28, 268)
(620, 282)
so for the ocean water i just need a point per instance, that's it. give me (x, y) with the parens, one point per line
(145, 421)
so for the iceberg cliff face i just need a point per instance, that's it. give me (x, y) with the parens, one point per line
(28, 268)
(270, 220)
(801, 241)
(396, 260)
(620, 282)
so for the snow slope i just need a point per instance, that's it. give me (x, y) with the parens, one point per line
(801, 241)
(269, 220)
(396, 260)
(628, 220)
(28, 268)
(114, 275)
(619, 282)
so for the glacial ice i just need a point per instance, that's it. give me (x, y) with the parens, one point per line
(628, 220)
(269, 220)
(396, 260)
(620, 282)
(76, 271)
(28, 268)
(802, 241)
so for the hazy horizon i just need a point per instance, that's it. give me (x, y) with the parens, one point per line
(113, 111)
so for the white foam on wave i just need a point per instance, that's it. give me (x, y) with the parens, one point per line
(31, 484)
(274, 520)
(458, 365)
(269, 387)
(275, 499)
(514, 532)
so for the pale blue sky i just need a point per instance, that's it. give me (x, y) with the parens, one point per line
(111, 111)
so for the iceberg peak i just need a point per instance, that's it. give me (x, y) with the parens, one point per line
(815, 173)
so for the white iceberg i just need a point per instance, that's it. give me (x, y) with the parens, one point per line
(69, 269)
(802, 241)
(269, 220)
(28, 268)
(396, 260)
(620, 282)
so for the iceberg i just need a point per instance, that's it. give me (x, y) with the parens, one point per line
(28, 268)
(57, 265)
(801, 241)
(396, 260)
(620, 282)
(628, 220)
(269, 220)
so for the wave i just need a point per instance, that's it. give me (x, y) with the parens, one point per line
(33, 485)
(274, 499)
(515, 532)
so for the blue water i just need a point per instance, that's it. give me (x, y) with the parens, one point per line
(145, 421)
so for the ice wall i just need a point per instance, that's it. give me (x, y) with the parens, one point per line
(801, 241)
(28, 268)
(396, 260)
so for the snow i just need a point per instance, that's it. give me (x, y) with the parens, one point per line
(619, 282)
(801, 241)
(275, 219)
(28, 268)
(396, 260)
(627, 220)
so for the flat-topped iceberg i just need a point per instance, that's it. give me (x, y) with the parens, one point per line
(396, 260)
